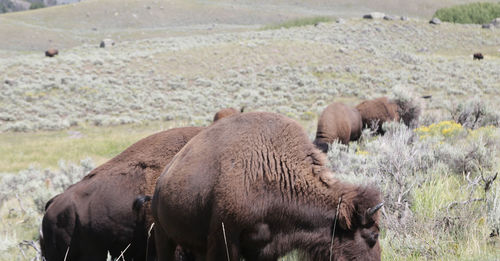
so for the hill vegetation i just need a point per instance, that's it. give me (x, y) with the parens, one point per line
(474, 13)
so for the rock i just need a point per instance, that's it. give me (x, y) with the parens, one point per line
(51, 52)
(389, 17)
(496, 22)
(107, 43)
(404, 18)
(340, 21)
(435, 20)
(374, 15)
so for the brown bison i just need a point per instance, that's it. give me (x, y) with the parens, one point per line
(256, 182)
(226, 112)
(338, 122)
(376, 112)
(51, 52)
(96, 215)
(477, 56)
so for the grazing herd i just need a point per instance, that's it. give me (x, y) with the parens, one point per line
(251, 185)
(343, 123)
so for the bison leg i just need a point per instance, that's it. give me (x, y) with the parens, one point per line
(165, 247)
(321, 145)
(217, 249)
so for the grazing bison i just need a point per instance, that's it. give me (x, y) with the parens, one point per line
(477, 56)
(103, 212)
(256, 182)
(51, 52)
(226, 112)
(338, 122)
(376, 112)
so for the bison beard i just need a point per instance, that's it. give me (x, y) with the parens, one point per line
(260, 175)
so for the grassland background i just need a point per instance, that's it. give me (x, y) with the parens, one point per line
(177, 68)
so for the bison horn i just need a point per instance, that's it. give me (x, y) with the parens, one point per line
(374, 209)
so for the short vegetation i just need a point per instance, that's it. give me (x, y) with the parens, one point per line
(441, 189)
(300, 22)
(474, 13)
(440, 181)
(37, 5)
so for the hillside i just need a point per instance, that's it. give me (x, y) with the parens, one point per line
(308, 67)
(92, 20)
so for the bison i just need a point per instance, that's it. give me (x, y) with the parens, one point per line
(96, 215)
(374, 113)
(226, 112)
(338, 122)
(254, 186)
(477, 56)
(51, 52)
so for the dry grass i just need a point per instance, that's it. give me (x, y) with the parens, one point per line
(45, 149)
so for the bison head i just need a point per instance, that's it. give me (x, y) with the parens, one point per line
(408, 111)
(356, 236)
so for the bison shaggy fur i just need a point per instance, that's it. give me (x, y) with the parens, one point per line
(96, 215)
(51, 52)
(338, 122)
(374, 113)
(225, 113)
(257, 182)
(477, 56)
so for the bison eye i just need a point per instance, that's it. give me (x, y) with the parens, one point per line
(370, 237)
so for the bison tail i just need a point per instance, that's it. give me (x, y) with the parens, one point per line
(139, 202)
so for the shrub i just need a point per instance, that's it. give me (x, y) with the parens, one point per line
(474, 13)
(474, 114)
(37, 5)
(3, 9)
(22, 204)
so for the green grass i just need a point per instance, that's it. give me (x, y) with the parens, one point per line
(45, 149)
(299, 22)
(471, 242)
(474, 13)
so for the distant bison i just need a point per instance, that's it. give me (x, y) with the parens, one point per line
(51, 52)
(226, 112)
(96, 215)
(256, 182)
(477, 56)
(374, 113)
(338, 122)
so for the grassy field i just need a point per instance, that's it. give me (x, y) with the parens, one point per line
(45, 149)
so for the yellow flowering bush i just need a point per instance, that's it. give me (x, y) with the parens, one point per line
(362, 152)
(446, 129)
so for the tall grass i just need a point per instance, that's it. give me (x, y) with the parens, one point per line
(474, 13)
